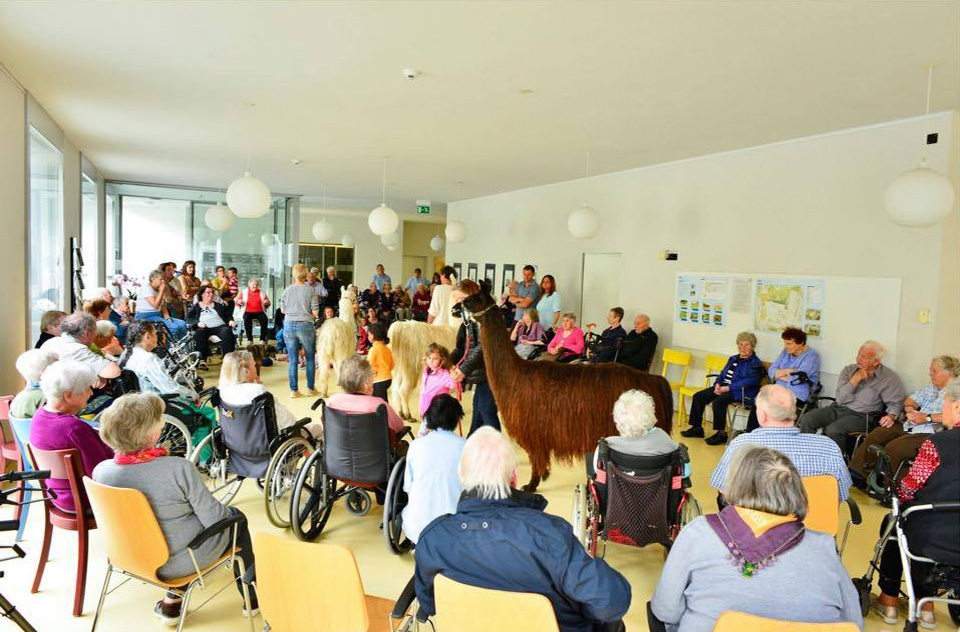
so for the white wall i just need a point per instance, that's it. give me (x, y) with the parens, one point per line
(810, 206)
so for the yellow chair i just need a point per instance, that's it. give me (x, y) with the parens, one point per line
(305, 587)
(136, 546)
(681, 359)
(462, 608)
(823, 509)
(741, 622)
(714, 364)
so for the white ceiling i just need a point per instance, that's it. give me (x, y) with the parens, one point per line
(153, 91)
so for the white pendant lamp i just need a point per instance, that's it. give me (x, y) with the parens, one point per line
(218, 218)
(920, 197)
(266, 239)
(393, 247)
(247, 196)
(437, 243)
(383, 220)
(583, 223)
(456, 231)
(391, 239)
(348, 240)
(322, 229)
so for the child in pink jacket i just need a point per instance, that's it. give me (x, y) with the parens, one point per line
(436, 379)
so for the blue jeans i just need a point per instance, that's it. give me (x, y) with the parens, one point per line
(281, 345)
(177, 327)
(297, 336)
(484, 409)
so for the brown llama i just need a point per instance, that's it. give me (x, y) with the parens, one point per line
(572, 404)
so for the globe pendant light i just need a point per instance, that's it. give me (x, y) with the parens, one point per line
(920, 197)
(392, 239)
(437, 243)
(322, 229)
(248, 197)
(383, 220)
(583, 223)
(218, 218)
(348, 240)
(456, 231)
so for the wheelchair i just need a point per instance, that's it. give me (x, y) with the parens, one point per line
(633, 500)
(940, 578)
(882, 480)
(246, 443)
(354, 458)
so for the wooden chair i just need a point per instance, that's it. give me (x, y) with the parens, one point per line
(823, 509)
(21, 435)
(681, 359)
(470, 609)
(289, 576)
(136, 546)
(714, 364)
(8, 449)
(741, 622)
(64, 464)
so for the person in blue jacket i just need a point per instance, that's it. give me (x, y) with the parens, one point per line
(739, 380)
(501, 539)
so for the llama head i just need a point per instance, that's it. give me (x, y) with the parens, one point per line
(476, 296)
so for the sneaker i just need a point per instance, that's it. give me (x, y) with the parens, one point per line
(294, 394)
(889, 614)
(718, 438)
(250, 613)
(312, 392)
(696, 432)
(927, 620)
(169, 614)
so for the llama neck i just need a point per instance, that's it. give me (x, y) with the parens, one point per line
(499, 356)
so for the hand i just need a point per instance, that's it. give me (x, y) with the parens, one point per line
(232, 324)
(716, 389)
(724, 389)
(886, 421)
(201, 326)
(916, 417)
(553, 350)
(457, 375)
(858, 376)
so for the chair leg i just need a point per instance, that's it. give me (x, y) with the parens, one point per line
(44, 553)
(83, 540)
(184, 603)
(20, 494)
(246, 593)
(103, 597)
(27, 494)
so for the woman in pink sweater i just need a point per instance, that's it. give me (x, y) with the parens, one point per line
(567, 344)
(436, 379)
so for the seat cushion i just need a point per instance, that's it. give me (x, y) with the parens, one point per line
(177, 582)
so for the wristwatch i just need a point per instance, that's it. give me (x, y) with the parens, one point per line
(929, 419)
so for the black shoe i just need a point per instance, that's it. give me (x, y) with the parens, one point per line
(858, 481)
(693, 431)
(717, 439)
(168, 613)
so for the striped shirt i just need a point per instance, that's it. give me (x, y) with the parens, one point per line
(811, 454)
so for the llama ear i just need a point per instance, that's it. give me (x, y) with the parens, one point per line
(485, 286)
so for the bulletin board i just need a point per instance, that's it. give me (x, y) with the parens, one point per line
(838, 313)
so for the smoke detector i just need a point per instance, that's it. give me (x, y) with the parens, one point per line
(411, 73)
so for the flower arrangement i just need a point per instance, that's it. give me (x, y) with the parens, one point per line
(126, 285)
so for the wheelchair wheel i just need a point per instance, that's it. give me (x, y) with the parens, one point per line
(358, 502)
(175, 437)
(221, 482)
(577, 518)
(691, 509)
(592, 527)
(281, 476)
(312, 500)
(393, 504)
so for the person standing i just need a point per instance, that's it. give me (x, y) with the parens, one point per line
(255, 304)
(442, 300)
(189, 284)
(411, 285)
(469, 368)
(549, 305)
(527, 293)
(333, 286)
(300, 308)
(381, 277)
(172, 298)
(314, 281)
(233, 287)
(220, 282)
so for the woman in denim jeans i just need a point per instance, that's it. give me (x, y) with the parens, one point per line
(300, 308)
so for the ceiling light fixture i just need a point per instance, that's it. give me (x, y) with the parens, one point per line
(383, 220)
(583, 223)
(218, 218)
(456, 231)
(247, 196)
(920, 197)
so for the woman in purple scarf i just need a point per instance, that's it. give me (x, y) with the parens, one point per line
(755, 556)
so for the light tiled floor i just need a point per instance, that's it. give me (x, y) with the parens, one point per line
(383, 573)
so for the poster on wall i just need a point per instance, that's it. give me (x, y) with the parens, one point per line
(490, 274)
(782, 303)
(508, 276)
(457, 269)
(701, 300)
(472, 271)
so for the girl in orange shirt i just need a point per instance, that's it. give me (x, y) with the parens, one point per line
(381, 359)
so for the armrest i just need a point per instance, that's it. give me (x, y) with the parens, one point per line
(855, 516)
(404, 432)
(829, 399)
(316, 404)
(712, 375)
(404, 602)
(215, 529)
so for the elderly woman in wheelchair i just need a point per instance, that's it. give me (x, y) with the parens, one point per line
(362, 451)
(636, 488)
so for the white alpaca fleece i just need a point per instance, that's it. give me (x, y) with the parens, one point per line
(336, 342)
(409, 340)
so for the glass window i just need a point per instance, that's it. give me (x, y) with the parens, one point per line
(112, 233)
(46, 229)
(89, 232)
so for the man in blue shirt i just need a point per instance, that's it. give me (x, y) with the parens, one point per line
(411, 285)
(527, 294)
(381, 277)
(502, 539)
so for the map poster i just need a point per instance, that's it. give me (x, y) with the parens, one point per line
(783, 303)
(701, 300)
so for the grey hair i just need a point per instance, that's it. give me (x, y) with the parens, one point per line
(331, 269)
(488, 464)
(634, 413)
(78, 324)
(878, 349)
(569, 315)
(128, 424)
(952, 390)
(314, 270)
(355, 374)
(66, 376)
(949, 364)
(106, 328)
(777, 409)
(747, 336)
(156, 274)
(31, 364)
(763, 479)
(120, 300)
(252, 281)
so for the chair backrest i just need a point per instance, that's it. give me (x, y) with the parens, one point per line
(288, 575)
(5, 401)
(741, 622)
(471, 609)
(247, 432)
(823, 506)
(21, 434)
(356, 445)
(676, 358)
(63, 464)
(714, 364)
(638, 506)
(131, 534)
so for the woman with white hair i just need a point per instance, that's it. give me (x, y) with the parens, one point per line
(30, 364)
(502, 539)
(66, 386)
(748, 557)
(181, 502)
(635, 417)
(356, 380)
(105, 341)
(255, 303)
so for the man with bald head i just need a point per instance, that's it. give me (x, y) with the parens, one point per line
(811, 454)
(640, 346)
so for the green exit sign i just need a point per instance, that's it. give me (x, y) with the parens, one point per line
(423, 207)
